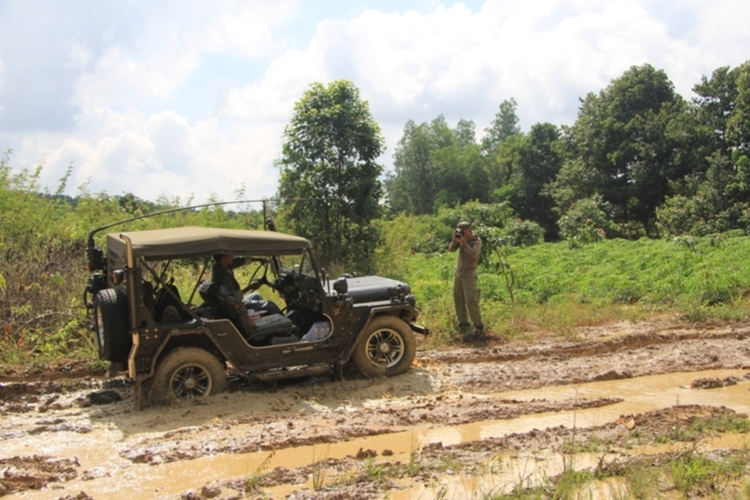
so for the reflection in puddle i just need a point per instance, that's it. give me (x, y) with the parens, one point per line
(639, 395)
(123, 479)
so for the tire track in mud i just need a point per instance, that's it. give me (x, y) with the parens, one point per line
(615, 445)
(494, 369)
(489, 352)
(234, 437)
(460, 386)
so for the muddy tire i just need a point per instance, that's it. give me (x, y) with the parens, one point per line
(188, 373)
(386, 348)
(111, 325)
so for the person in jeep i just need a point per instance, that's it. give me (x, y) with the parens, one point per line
(222, 274)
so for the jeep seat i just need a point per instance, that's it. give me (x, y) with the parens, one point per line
(274, 325)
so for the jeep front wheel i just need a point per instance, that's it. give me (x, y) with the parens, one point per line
(188, 373)
(111, 324)
(386, 348)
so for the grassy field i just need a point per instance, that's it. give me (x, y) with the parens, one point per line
(556, 288)
(545, 289)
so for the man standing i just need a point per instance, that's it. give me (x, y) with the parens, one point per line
(465, 289)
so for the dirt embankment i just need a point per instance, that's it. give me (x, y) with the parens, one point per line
(77, 437)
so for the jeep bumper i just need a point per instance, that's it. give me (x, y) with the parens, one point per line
(422, 330)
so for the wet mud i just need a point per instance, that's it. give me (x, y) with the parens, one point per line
(619, 386)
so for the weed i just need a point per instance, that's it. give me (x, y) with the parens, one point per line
(723, 423)
(642, 481)
(319, 471)
(693, 473)
(253, 480)
(373, 471)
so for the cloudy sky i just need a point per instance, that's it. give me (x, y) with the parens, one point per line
(189, 98)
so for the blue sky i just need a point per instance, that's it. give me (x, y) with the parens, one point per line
(188, 99)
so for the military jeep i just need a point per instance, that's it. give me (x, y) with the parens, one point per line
(180, 343)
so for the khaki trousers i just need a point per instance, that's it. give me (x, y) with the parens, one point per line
(466, 298)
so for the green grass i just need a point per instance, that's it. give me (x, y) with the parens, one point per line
(559, 289)
(702, 427)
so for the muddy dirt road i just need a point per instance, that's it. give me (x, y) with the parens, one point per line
(465, 422)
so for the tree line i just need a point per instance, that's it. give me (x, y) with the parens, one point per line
(640, 159)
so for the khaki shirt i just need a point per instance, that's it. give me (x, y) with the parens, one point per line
(468, 256)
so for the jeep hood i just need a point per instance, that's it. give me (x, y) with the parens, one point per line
(373, 288)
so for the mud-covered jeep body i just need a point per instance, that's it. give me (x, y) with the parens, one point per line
(174, 348)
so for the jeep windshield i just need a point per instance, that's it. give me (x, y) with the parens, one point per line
(300, 264)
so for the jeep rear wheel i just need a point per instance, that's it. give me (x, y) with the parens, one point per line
(188, 373)
(386, 348)
(111, 324)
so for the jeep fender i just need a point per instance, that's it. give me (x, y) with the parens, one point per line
(199, 336)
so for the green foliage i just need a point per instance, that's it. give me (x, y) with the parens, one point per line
(622, 142)
(693, 473)
(585, 222)
(720, 203)
(558, 288)
(478, 214)
(42, 259)
(534, 163)
(436, 166)
(503, 126)
(329, 185)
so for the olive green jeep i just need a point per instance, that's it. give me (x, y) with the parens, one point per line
(180, 343)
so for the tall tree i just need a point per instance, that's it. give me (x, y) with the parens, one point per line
(461, 175)
(413, 186)
(714, 104)
(436, 166)
(410, 187)
(329, 183)
(465, 133)
(503, 126)
(538, 164)
(624, 146)
(717, 196)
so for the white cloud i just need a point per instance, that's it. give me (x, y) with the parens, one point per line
(272, 99)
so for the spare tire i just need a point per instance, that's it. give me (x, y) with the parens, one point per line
(111, 325)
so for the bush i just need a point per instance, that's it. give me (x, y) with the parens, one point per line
(586, 222)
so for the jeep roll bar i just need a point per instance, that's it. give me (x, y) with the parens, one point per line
(96, 257)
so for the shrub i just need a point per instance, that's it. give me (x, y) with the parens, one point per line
(586, 222)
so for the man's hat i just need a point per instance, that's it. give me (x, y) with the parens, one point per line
(464, 225)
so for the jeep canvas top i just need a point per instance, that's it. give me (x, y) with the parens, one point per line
(191, 241)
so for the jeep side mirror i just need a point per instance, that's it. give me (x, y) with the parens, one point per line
(341, 286)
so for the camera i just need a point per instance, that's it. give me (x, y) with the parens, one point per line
(459, 233)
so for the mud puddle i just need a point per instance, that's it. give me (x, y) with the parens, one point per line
(108, 450)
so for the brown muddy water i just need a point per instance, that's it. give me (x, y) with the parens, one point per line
(100, 447)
